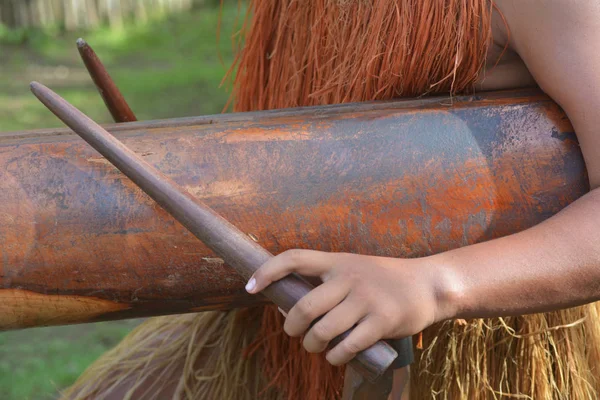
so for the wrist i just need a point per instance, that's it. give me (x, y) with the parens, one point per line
(449, 287)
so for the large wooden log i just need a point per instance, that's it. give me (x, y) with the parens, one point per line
(79, 242)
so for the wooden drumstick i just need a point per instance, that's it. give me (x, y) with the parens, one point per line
(236, 248)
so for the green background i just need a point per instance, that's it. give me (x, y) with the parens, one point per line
(167, 67)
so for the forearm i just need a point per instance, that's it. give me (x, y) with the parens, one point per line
(553, 265)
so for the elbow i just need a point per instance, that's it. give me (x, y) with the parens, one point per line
(594, 194)
(594, 180)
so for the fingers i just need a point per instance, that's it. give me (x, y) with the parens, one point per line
(363, 336)
(314, 304)
(334, 323)
(303, 262)
(332, 300)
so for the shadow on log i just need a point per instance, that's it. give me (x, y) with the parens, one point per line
(79, 242)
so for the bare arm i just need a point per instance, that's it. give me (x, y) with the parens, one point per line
(557, 263)
(553, 265)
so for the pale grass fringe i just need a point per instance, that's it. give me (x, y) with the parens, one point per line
(191, 356)
(542, 356)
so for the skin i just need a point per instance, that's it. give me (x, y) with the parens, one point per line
(554, 265)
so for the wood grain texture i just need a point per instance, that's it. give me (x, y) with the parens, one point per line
(235, 247)
(402, 179)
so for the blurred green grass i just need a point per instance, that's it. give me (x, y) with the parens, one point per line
(37, 363)
(166, 68)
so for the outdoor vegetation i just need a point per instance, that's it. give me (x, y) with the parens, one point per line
(166, 60)
(168, 66)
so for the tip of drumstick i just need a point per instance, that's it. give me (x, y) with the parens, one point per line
(39, 90)
(81, 43)
(45, 95)
(60, 107)
(49, 98)
(35, 87)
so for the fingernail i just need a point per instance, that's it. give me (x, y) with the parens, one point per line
(251, 285)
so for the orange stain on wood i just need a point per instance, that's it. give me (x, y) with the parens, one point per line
(402, 178)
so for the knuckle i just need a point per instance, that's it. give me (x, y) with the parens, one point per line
(380, 325)
(321, 332)
(306, 309)
(352, 273)
(293, 255)
(350, 347)
(363, 299)
(361, 294)
(388, 314)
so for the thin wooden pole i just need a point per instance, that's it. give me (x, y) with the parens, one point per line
(114, 100)
(236, 248)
